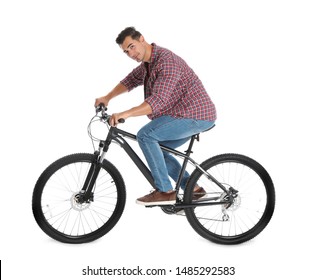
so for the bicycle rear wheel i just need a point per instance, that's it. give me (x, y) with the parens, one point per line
(253, 204)
(56, 208)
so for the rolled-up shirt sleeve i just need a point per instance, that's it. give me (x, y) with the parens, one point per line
(135, 78)
(164, 96)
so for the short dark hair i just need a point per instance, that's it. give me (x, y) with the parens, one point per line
(128, 31)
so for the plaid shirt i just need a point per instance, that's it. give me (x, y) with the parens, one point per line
(171, 87)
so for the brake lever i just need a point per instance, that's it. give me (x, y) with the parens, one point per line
(100, 107)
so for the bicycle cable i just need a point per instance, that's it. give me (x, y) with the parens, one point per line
(93, 138)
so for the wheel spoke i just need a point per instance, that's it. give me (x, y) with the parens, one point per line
(232, 223)
(65, 217)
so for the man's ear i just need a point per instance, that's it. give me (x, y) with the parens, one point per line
(141, 39)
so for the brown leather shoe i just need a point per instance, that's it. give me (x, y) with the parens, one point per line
(157, 198)
(198, 193)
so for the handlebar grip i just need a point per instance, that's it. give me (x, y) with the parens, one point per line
(119, 120)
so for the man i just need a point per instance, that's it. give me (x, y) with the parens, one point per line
(175, 101)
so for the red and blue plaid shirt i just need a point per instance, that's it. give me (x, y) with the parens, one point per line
(171, 87)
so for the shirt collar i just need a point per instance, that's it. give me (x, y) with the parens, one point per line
(154, 53)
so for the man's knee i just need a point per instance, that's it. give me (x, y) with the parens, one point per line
(140, 135)
(144, 135)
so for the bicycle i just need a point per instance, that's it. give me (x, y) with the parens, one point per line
(80, 197)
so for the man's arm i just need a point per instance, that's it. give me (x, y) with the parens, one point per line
(119, 89)
(141, 110)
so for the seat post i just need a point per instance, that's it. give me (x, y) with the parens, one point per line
(185, 162)
(193, 137)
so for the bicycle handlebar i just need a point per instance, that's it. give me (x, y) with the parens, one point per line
(102, 108)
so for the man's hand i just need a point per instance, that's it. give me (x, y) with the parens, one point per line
(114, 120)
(100, 100)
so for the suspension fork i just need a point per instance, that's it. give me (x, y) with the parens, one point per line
(86, 194)
(86, 191)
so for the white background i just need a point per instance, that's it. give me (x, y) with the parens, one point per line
(256, 59)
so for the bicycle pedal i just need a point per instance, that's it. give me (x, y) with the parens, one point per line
(171, 210)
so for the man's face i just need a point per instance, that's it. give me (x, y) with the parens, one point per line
(135, 49)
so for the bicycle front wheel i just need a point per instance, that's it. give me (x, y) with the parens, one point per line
(58, 212)
(251, 210)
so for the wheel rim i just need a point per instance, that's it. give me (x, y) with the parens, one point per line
(65, 214)
(247, 209)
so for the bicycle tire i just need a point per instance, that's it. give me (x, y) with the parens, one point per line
(253, 206)
(56, 211)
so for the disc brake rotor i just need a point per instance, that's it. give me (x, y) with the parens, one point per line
(231, 206)
(76, 204)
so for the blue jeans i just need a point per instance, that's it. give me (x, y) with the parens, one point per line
(170, 132)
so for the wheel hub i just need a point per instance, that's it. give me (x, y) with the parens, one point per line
(77, 203)
(231, 206)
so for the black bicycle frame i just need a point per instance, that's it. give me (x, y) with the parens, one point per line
(115, 134)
